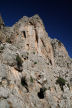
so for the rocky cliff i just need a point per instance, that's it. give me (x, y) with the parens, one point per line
(35, 70)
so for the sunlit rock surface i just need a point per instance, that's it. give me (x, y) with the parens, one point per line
(35, 70)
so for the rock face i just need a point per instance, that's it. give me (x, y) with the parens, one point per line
(35, 70)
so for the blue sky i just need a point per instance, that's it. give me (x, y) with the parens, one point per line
(56, 15)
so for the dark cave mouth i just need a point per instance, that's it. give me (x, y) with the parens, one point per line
(41, 93)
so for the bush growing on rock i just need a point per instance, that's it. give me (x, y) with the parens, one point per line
(35, 62)
(31, 79)
(61, 82)
(33, 52)
(8, 40)
(19, 61)
(1, 48)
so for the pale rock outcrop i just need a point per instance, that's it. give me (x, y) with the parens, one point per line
(31, 64)
(34, 37)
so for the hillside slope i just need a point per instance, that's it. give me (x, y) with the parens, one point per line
(35, 70)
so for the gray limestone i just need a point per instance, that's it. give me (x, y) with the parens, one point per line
(44, 60)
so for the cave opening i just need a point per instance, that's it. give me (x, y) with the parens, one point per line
(24, 34)
(41, 93)
(36, 36)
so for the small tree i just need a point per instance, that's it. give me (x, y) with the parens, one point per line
(8, 40)
(31, 79)
(61, 82)
(35, 62)
(19, 61)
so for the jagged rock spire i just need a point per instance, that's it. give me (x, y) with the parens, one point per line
(1, 22)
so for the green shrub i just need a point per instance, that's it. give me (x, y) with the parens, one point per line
(61, 82)
(19, 61)
(8, 40)
(43, 89)
(35, 62)
(31, 79)
(33, 52)
(2, 47)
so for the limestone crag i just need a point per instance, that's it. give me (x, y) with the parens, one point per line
(35, 70)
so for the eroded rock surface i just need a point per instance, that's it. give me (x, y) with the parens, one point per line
(35, 70)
